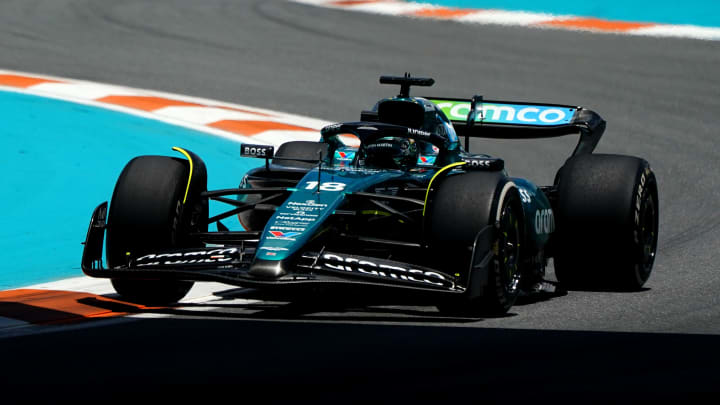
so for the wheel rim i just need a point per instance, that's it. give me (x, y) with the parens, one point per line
(509, 250)
(647, 236)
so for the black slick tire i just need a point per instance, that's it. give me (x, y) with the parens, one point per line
(461, 207)
(147, 214)
(607, 223)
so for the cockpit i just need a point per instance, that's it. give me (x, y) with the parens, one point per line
(430, 134)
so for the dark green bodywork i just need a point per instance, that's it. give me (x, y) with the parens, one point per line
(322, 191)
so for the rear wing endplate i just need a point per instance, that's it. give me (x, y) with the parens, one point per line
(517, 120)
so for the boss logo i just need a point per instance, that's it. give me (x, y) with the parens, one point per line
(477, 162)
(261, 151)
(483, 164)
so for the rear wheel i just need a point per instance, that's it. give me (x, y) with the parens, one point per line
(462, 206)
(147, 213)
(607, 223)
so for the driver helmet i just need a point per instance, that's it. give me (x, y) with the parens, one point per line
(392, 153)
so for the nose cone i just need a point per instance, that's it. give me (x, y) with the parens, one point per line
(268, 269)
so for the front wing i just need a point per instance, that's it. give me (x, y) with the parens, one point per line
(233, 264)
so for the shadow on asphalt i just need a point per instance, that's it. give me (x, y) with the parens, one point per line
(340, 362)
(307, 310)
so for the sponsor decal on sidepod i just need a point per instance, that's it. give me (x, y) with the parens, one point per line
(544, 221)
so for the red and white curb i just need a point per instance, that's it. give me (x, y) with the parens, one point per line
(67, 302)
(75, 301)
(231, 121)
(518, 18)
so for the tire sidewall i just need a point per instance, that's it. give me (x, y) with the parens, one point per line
(597, 243)
(645, 189)
(134, 229)
(461, 206)
(500, 295)
(149, 212)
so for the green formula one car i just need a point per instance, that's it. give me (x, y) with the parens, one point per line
(406, 213)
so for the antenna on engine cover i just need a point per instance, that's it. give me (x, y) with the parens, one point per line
(406, 81)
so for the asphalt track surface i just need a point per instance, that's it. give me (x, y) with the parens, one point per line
(659, 96)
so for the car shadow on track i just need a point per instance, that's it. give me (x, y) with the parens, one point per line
(244, 303)
(250, 304)
(320, 305)
(294, 310)
(205, 359)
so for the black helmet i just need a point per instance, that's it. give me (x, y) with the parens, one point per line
(391, 153)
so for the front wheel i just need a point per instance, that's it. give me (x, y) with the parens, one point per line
(149, 212)
(462, 206)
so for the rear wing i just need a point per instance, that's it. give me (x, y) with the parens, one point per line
(518, 120)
